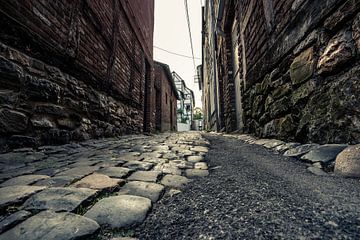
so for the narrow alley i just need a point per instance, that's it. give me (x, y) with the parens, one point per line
(186, 119)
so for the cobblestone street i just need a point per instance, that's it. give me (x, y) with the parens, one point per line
(71, 191)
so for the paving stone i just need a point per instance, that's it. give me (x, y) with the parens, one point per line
(60, 181)
(317, 164)
(139, 166)
(49, 225)
(59, 199)
(168, 168)
(301, 150)
(325, 153)
(142, 189)
(145, 176)
(156, 160)
(195, 158)
(78, 171)
(261, 141)
(107, 164)
(160, 148)
(286, 146)
(13, 220)
(195, 173)
(200, 149)
(98, 182)
(16, 194)
(84, 163)
(151, 155)
(132, 156)
(170, 156)
(201, 166)
(182, 164)
(116, 172)
(317, 171)
(347, 162)
(24, 180)
(120, 211)
(50, 171)
(187, 153)
(174, 181)
(273, 143)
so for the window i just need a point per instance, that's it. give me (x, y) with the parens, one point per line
(166, 97)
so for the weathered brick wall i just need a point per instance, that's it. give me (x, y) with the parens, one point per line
(72, 70)
(167, 109)
(302, 79)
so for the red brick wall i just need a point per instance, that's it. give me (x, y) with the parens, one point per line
(168, 100)
(93, 46)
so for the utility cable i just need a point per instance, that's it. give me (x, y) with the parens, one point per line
(191, 42)
(174, 53)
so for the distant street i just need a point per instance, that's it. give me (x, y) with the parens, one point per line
(252, 193)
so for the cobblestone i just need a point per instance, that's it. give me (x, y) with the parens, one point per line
(112, 181)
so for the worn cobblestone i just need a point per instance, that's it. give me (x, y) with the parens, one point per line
(75, 177)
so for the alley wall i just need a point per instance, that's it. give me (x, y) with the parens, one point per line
(73, 70)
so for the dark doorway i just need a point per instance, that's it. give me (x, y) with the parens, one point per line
(158, 110)
(171, 116)
(147, 99)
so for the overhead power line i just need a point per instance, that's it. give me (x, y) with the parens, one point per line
(188, 22)
(177, 54)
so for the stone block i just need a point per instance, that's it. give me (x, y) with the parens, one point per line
(15, 194)
(302, 67)
(41, 89)
(51, 225)
(21, 141)
(13, 219)
(341, 15)
(339, 50)
(356, 31)
(303, 91)
(24, 180)
(8, 97)
(67, 123)
(12, 121)
(174, 181)
(10, 73)
(347, 163)
(280, 106)
(59, 199)
(145, 176)
(148, 190)
(281, 91)
(50, 109)
(120, 211)
(98, 182)
(287, 126)
(325, 153)
(42, 122)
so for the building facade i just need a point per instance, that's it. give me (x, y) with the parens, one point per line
(165, 99)
(287, 69)
(73, 70)
(185, 104)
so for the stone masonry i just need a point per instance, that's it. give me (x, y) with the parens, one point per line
(74, 70)
(287, 69)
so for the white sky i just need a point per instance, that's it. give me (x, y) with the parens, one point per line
(171, 33)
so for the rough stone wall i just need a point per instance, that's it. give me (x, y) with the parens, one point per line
(302, 78)
(71, 70)
(168, 100)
